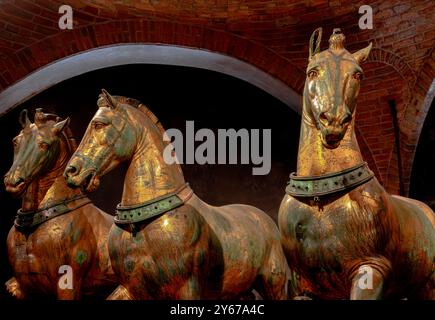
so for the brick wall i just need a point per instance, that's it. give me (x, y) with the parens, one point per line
(272, 35)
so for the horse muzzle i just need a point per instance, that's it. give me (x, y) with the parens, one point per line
(85, 179)
(15, 184)
(331, 137)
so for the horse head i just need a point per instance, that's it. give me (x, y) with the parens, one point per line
(109, 140)
(36, 149)
(332, 85)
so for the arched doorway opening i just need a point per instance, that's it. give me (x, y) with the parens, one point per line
(423, 172)
(121, 54)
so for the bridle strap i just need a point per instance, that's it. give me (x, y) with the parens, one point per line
(144, 211)
(327, 184)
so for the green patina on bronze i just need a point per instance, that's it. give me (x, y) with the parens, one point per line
(81, 257)
(129, 266)
(76, 236)
(201, 256)
(196, 232)
(30, 219)
(142, 212)
(322, 185)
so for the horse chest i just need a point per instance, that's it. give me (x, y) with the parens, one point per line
(331, 235)
(29, 256)
(37, 256)
(160, 256)
(29, 252)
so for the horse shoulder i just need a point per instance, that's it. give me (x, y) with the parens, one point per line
(416, 224)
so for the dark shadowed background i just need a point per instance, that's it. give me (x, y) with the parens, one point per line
(174, 94)
(423, 170)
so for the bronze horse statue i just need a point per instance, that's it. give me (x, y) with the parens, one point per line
(166, 242)
(57, 230)
(342, 233)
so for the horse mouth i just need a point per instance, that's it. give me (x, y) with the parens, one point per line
(91, 182)
(17, 190)
(87, 181)
(332, 140)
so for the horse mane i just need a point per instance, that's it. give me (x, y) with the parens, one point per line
(140, 106)
(148, 113)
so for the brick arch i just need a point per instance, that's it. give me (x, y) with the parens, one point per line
(122, 54)
(387, 69)
(399, 64)
(144, 30)
(414, 115)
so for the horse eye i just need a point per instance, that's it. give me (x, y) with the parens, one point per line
(99, 125)
(43, 145)
(15, 143)
(358, 76)
(312, 74)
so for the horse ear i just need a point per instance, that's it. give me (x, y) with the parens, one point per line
(60, 126)
(111, 100)
(315, 44)
(24, 119)
(362, 55)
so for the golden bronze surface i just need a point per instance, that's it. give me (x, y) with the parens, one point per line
(195, 251)
(77, 238)
(330, 240)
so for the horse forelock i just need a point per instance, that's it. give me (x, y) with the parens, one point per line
(332, 55)
(43, 119)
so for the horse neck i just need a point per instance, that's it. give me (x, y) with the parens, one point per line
(34, 193)
(50, 188)
(148, 176)
(315, 159)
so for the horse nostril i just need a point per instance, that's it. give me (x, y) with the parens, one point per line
(71, 171)
(324, 118)
(18, 182)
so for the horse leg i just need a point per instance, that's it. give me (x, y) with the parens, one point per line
(13, 287)
(272, 282)
(120, 293)
(368, 280)
(190, 290)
